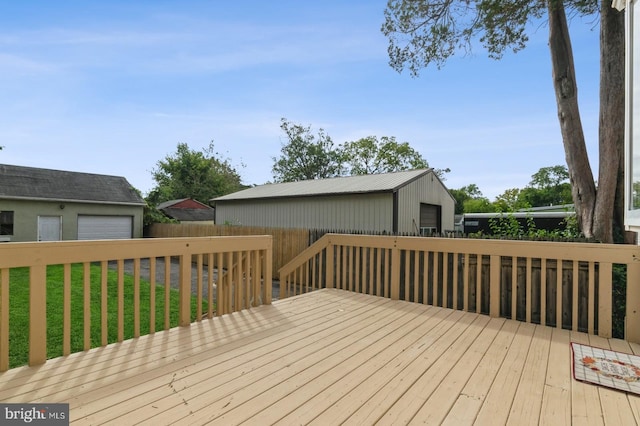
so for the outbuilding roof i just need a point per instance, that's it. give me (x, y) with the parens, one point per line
(387, 182)
(29, 183)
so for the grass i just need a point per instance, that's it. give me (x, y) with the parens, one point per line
(19, 310)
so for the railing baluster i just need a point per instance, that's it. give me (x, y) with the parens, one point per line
(104, 295)
(199, 287)
(358, 286)
(407, 275)
(221, 308)
(37, 321)
(86, 305)
(120, 300)
(559, 313)
(152, 295)
(574, 304)
(436, 277)
(605, 299)
(528, 290)
(514, 287)
(445, 279)
(4, 319)
(66, 309)
(479, 284)
(465, 282)
(591, 301)
(494, 285)
(454, 283)
(543, 291)
(210, 285)
(136, 297)
(416, 276)
(167, 288)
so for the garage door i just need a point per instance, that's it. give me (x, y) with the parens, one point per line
(104, 227)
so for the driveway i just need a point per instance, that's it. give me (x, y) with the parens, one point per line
(175, 274)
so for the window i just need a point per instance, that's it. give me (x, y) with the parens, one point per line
(6, 223)
(632, 142)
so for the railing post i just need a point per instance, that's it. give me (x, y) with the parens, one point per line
(185, 290)
(268, 272)
(330, 266)
(494, 284)
(632, 319)
(395, 272)
(38, 315)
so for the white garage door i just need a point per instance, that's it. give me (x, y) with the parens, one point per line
(104, 227)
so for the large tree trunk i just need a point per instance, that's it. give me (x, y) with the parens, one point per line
(564, 82)
(609, 207)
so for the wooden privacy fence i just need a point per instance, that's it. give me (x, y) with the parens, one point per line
(287, 243)
(242, 279)
(566, 285)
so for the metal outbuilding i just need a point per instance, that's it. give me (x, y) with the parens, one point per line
(402, 202)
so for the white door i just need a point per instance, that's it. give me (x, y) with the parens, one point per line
(104, 227)
(49, 228)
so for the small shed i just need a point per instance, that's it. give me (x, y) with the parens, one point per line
(49, 205)
(187, 210)
(413, 201)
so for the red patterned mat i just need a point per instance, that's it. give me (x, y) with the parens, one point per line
(608, 368)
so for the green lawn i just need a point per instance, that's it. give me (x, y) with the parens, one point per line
(19, 310)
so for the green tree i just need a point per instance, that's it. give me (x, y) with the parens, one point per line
(305, 156)
(372, 156)
(548, 186)
(187, 173)
(424, 32)
(479, 205)
(463, 194)
(510, 201)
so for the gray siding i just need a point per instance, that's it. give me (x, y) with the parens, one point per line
(366, 212)
(26, 212)
(427, 189)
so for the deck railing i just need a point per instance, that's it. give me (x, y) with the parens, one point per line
(566, 285)
(237, 271)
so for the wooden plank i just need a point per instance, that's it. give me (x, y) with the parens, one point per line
(585, 399)
(470, 399)
(332, 403)
(615, 405)
(373, 356)
(465, 283)
(437, 406)
(556, 400)
(559, 304)
(497, 403)
(167, 289)
(170, 351)
(525, 408)
(303, 359)
(375, 407)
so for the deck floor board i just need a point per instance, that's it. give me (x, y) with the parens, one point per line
(331, 357)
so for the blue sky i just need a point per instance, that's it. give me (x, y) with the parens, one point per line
(112, 87)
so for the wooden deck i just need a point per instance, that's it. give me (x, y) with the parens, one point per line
(332, 357)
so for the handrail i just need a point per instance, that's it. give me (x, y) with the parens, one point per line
(514, 279)
(251, 274)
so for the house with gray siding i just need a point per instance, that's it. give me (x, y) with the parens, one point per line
(402, 202)
(49, 205)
